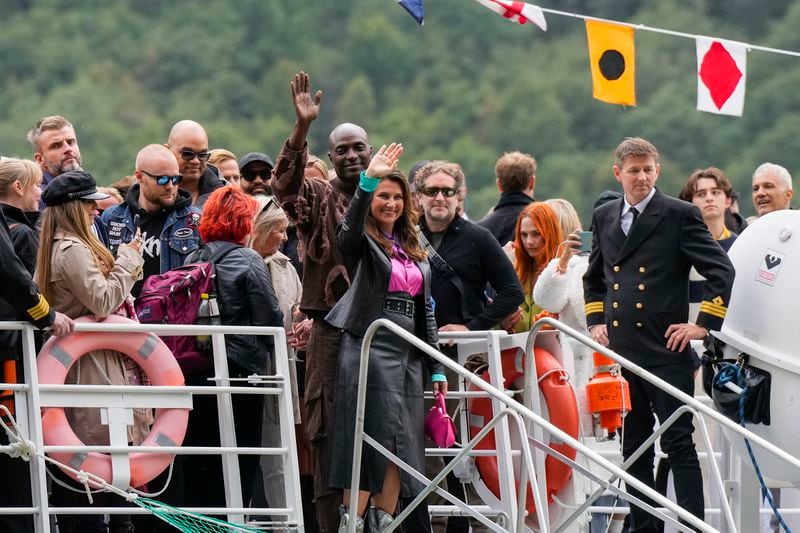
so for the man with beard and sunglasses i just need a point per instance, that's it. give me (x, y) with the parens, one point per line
(163, 212)
(255, 170)
(188, 142)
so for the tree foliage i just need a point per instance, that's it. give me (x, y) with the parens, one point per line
(467, 86)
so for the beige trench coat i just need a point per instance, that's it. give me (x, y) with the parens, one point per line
(286, 284)
(288, 290)
(79, 288)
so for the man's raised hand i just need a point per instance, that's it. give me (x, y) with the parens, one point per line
(305, 107)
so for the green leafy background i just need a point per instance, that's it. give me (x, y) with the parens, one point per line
(467, 86)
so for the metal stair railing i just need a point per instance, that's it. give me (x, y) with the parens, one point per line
(693, 406)
(524, 413)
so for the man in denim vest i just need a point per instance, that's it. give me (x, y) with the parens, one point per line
(163, 212)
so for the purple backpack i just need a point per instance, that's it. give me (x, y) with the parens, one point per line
(174, 298)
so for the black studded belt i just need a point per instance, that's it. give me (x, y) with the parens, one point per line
(399, 305)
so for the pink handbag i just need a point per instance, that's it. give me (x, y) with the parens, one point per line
(439, 427)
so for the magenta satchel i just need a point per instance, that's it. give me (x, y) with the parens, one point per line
(439, 427)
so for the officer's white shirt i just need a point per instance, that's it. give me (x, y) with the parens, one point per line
(626, 220)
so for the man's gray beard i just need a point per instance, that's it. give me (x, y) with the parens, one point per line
(72, 167)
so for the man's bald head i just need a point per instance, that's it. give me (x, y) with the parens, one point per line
(188, 141)
(156, 154)
(349, 151)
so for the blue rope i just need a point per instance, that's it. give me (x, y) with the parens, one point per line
(733, 373)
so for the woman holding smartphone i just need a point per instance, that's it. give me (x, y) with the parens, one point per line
(559, 288)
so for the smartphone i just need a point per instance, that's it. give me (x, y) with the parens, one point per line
(586, 241)
(135, 226)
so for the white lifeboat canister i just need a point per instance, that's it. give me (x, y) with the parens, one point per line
(763, 321)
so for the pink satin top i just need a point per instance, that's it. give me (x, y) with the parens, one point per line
(406, 275)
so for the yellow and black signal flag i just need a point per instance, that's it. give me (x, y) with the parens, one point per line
(612, 57)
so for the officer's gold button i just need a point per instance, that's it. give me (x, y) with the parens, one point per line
(641, 286)
(615, 323)
(638, 324)
(641, 269)
(616, 268)
(615, 305)
(616, 286)
(639, 305)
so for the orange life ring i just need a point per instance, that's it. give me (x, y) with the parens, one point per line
(561, 404)
(152, 355)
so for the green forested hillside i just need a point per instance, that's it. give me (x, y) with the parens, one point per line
(466, 86)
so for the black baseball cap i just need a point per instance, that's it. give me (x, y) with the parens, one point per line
(72, 185)
(253, 157)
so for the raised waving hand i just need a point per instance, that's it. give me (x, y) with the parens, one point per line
(305, 107)
(385, 161)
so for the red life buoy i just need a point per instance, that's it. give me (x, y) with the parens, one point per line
(561, 404)
(152, 355)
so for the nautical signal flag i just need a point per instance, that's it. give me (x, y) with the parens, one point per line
(518, 12)
(721, 76)
(612, 58)
(414, 8)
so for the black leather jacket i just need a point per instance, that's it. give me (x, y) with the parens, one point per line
(246, 298)
(17, 287)
(25, 240)
(369, 268)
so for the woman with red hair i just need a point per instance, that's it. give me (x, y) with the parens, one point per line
(538, 236)
(246, 298)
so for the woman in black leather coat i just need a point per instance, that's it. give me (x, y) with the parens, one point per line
(390, 278)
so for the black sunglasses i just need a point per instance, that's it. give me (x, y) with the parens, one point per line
(447, 192)
(188, 155)
(251, 175)
(163, 180)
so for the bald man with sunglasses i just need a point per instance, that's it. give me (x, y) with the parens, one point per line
(188, 142)
(161, 209)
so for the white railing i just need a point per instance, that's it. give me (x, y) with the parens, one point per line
(697, 408)
(513, 501)
(31, 397)
(511, 515)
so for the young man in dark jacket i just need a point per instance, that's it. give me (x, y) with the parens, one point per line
(516, 179)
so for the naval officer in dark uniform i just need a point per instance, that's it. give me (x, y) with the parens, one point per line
(637, 302)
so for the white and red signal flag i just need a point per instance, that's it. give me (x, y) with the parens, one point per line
(517, 11)
(721, 76)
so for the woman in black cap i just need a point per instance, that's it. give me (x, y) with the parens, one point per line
(80, 277)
